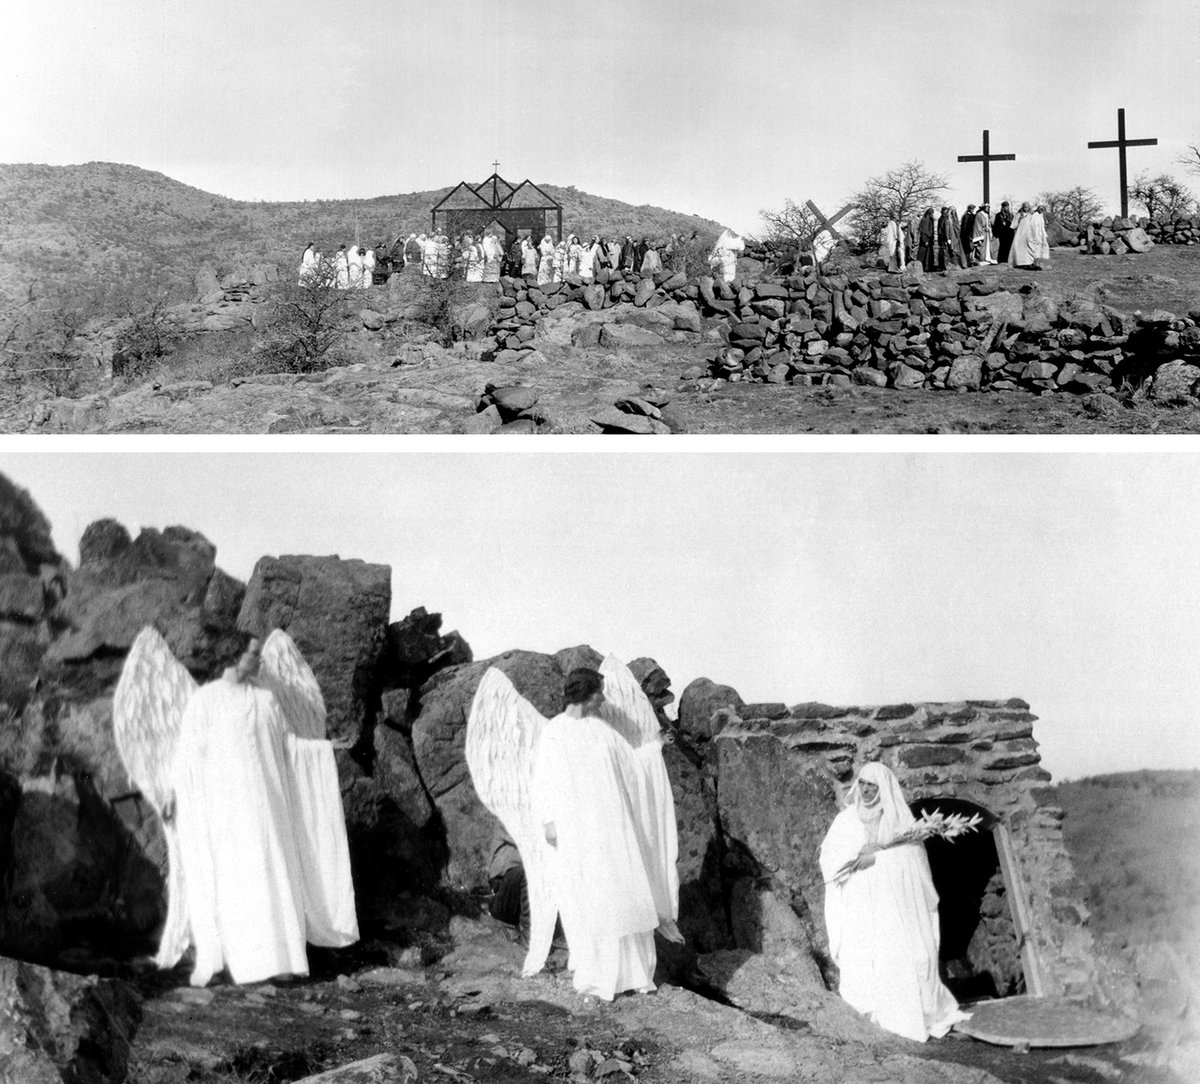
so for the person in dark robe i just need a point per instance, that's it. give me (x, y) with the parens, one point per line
(1002, 227)
(949, 242)
(966, 230)
(383, 262)
(628, 254)
(514, 258)
(928, 251)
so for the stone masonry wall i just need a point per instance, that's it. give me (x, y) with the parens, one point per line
(982, 752)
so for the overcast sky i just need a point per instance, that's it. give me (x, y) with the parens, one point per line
(703, 106)
(1068, 580)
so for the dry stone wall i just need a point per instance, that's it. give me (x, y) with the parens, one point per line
(980, 752)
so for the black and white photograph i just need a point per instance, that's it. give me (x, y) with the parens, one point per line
(847, 735)
(620, 218)
(713, 766)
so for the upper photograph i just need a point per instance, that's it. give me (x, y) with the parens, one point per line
(669, 218)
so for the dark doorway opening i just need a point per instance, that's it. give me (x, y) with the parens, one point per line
(980, 954)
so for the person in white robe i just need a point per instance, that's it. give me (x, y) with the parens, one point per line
(652, 261)
(1038, 237)
(341, 268)
(823, 244)
(891, 246)
(560, 262)
(574, 255)
(882, 917)
(308, 265)
(262, 834)
(530, 258)
(590, 260)
(472, 258)
(725, 254)
(1024, 250)
(355, 267)
(368, 268)
(493, 256)
(414, 252)
(585, 791)
(545, 272)
(983, 234)
(613, 252)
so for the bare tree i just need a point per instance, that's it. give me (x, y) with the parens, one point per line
(1162, 196)
(788, 227)
(1190, 159)
(897, 194)
(1073, 208)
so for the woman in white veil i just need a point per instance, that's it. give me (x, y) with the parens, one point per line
(882, 916)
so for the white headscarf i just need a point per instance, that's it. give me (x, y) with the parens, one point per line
(891, 811)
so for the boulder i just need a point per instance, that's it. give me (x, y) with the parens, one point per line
(627, 336)
(372, 320)
(512, 400)
(1175, 382)
(613, 420)
(593, 297)
(1138, 240)
(705, 706)
(783, 835)
(1002, 306)
(337, 612)
(966, 371)
(643, 292)
(57, 1028)
(688, 319)
(438, 733)
(472, 319)
(905, 376)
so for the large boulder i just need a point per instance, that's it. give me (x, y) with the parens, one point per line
(784, 835)
(57, 1028)
(438, 740)
(1175, 382)
(627, 336)
(705, 707)
(336, 610)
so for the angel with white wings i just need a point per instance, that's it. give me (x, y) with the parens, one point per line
(587, 800)
(246, 785)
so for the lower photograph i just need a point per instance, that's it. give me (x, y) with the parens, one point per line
(584, 767)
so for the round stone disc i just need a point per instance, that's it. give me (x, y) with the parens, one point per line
(1044, 1021)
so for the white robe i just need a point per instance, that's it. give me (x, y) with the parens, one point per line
(368, 269)
(341, 263)
(493, 253)
(473, 258)
(1037, 236)
(308, 266)
(883, 934)
(1025, 249)
(725, 254)
(889, 238)
(587, 783)
(355, 267)
(241, 864)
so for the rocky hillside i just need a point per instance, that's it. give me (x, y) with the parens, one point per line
(118, 231)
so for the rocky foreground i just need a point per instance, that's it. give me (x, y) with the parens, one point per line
(378, 1014)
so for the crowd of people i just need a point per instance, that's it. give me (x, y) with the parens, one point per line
(978, 239)
(483, 258)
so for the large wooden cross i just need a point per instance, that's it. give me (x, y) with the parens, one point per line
(1121, 143)
(987, 158)
(827, 223)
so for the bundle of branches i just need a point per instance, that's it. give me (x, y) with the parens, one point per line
(930, 823)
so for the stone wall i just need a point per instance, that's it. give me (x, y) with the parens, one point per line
(969, 331)
(980, 752)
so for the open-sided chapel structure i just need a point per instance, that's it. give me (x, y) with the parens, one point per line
(496, 204)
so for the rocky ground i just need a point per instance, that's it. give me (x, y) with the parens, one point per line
(467, 1017)
(428, 389)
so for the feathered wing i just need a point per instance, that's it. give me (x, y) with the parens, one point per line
(286, 673)
(152, 692)
(628, 710)
(503, 730)
(327, 887)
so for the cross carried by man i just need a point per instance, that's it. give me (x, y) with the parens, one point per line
(827, 226)
(1121, 143)
(987, 158)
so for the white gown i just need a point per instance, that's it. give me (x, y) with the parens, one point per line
(262, 837)
(587, 783)
(240, 859)
(883, 932)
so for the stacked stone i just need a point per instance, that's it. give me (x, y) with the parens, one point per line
(523, 303)
(1173, 229)
(913, 331)
(1115, 237)
(982, 752)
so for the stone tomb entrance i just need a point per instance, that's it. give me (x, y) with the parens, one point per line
(980, 951)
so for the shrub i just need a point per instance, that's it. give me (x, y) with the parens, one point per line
(302, 324)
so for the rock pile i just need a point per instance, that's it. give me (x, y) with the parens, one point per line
(1173, 229)
(1115, 237)
(910, 330)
